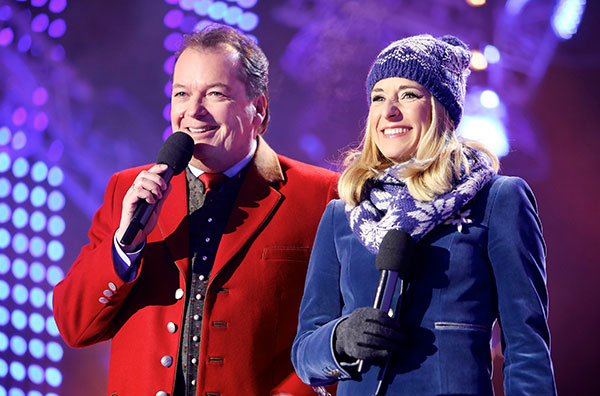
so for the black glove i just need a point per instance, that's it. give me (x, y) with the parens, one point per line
(367, 334)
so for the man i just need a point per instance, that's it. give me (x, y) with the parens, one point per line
(204, 301)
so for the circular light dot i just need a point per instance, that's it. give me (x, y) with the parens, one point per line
(167, 112)
(57, 28)
(57, 6)
(37, 247)
(19, 140)
(4, 315)
(4, 290)
(55, 274)
(168, 67)
(17, 371)
(173, 41)
(5, 135)
(39, 96)
(4, 238)
(39, 23)
(39, 171)
(56, 226)
(19, 116)
(18, 345)
(20, 294)
(49, 300)
(5, 213)
(34, 393)
(20, 167)
(6, 36)
(55, 151)
(19, 268)
(37, 297)
(37, 221)
(56, 250)
(248, 21)
(36, 323)
(20, 242)
(40, 121)
(4, 162)
(20, 192)
(37, 349)
(168, 88)
(3, 342)
(16, 392)
(38, 196)
(35, 374)
(53, 377)
(51, 326)
(54, 351)
(24, 43)
(38, 3)
(55, 176)
(216, 10)
(57, 53)
(5, 13)
(5, 187)
(166, 133)
(492, 54)
(489, 99)
(56, 201)
(37, 272)
(247, 3)
(18, 319)
(478, 61)
(4, 264)
(186, 4)
(173, 18)
(20, 218)
(201, 7)
(232, 15)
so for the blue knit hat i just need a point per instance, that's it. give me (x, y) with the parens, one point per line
(440, 65)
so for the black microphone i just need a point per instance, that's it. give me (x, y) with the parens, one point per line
(393, 259)
(175, 152)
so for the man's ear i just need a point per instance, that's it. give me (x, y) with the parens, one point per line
(260, 107)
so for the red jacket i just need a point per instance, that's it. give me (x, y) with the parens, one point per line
(251, 307)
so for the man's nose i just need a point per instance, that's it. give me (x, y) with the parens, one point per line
(196, 109)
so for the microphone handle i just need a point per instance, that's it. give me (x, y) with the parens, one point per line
(142, 214)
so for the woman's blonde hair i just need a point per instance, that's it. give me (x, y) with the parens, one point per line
(436, 163)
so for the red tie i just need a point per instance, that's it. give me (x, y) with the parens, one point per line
(212, 181)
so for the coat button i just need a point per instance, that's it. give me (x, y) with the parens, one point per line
(179, 293)
(201, 277)
(107, 293)
(171, 327)
(162, 393)
(103, 300)
(166, 361)
(112, 286)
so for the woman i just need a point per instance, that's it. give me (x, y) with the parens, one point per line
(478, 252)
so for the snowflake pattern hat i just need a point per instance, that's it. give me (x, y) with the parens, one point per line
(441, 65)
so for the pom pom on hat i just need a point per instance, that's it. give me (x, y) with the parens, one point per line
(439, 64)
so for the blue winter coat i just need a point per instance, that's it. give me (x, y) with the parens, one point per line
(494, 269)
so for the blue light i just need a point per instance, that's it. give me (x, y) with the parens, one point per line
(4, 290)
(18, 345)
(3, 342)
(20, 192)
(247, 3)
(16, 392)
(201, 7)
(491, 53)
(20, 218)
(57, 28)
(57, 6)
(216, 10)
(36, 323)
(4, 315)
(17, 371)
(37, 221)
(20, 243)
(35, 374)
(20, 294)
(38, 3)
(37, 272)
(232, 15)
(54, 351)
(19, 140)
(57, 53)
(55, 274)
(4, 238)
(486, 130)
(56, 226)
(49, 300)
(312, 146)
(248, 21)
(24, 43)
(18, 319)
(38, 196)
(4, 162)
(5, 187)
(5, 135)
(56, 201)
(37, 349)
(20, 167)
(55, 176)
(489, 99)
(39, 23)
(39, 171)
(37, 297)
(5, 13)
(566, 18)
(37, 247)
(19, 268)
(34, 393)
(51, 326)
(5, 214)
(56, 250)
(53, 377)
(4, 264)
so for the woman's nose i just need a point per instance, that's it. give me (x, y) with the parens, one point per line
(393, 110)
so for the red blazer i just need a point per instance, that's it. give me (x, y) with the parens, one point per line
(254, 292)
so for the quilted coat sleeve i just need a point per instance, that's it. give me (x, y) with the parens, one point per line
(517, 253)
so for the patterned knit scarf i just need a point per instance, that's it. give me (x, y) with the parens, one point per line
(390, 206)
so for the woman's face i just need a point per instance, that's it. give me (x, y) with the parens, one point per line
(399, 115)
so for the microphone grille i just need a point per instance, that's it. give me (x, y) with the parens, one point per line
(395, 252)
(176, 151)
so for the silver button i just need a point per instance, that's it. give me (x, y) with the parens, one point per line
(108, 293)
(166, 361)
(196, 317)
(201, 277)
(195, 338)
(198, 296)
(207, 239)
(194, 360)
(204, 258)
(171, 327)
(194, 382)
(179, 293)
(210, 219)
(112, 286)
(103, 300)
(162, 393)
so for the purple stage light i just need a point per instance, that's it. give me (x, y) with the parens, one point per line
(38, 3)
(36, 323)
(39, 23)
(17, 372)
(18, 319)
(53, 377)
(57, 6)
(189, 23)
(19, 140)
(24, 43)
(5, 13)
(40, 121)
(20, 218)
(57, 28)
(173, 19)
(168, 90)
(19, 116)
(35, 374)
(5, 187)
(56, 226)
(54, 275)
(168, 66)
(20, 243)
(55, 151)
(173, 41)
(39, 97)
(167, 112)
(6, 36)
(166, 133)
(57, 53)
(38, 196)
(171, 1)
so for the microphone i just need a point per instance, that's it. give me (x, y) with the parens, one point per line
(175, 152)
(394, 261)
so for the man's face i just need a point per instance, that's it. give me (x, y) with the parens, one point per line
(209, 103)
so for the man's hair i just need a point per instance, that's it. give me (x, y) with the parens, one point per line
(254, 66)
